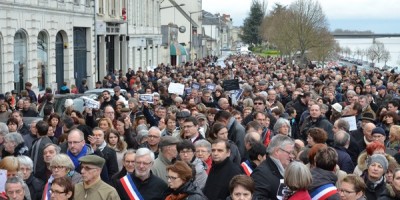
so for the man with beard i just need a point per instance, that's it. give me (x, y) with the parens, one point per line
(107, 100)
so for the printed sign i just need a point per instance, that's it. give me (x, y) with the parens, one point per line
(146, 98)
(232, 84)
(91, 103)
(176, 88)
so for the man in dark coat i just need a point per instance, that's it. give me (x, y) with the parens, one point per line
(269, 174)
(39, 166)
(148, 185)
(342, 143)
(222, 171)
(236, 131)
(316, 119)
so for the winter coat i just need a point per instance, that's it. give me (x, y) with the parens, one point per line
(362, 162)
(320, 122)
(217, 184)
(35, 186)
(322, 177)
(373, 191)
(344, 160)
(267, 179)
(236, 133)
(20, 150)
(201, 175)
(188, 188)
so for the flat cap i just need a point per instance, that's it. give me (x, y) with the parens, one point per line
(93, 160)
(168, 140)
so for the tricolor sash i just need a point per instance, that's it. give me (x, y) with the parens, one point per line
(130, 188)
(247, 168)
(323, 192)
(46, 192)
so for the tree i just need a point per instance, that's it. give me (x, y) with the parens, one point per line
(251, 26)
(376, 51)
(386, 56)
(300, 28)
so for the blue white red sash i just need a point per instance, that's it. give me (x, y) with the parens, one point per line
(247, 168)
(323, 192)
(130, 188)
(46, 192)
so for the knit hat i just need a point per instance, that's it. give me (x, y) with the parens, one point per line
(378, 130)
(378, 158)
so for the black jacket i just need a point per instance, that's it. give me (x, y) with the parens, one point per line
(194, 193)
(153, 188)
(267, 180)
(344, 160)
(217, 184)
(111, 161)
(322, 177)
(374, 192)
(320, 122)
(19, 150)
(39, 165)
(236, 134)
(35, 186)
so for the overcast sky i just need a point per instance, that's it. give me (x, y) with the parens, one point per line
(379, 16)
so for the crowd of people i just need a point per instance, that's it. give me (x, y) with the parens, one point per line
(257, 128)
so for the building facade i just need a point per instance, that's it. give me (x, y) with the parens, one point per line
(46, 42)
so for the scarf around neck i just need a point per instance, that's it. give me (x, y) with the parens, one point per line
(75, 159)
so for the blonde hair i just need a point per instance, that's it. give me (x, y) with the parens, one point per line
(395, 131)
(62, 160)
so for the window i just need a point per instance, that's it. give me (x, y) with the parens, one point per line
(42, 59)
(20, 54)
(77, 2)
(101, 6)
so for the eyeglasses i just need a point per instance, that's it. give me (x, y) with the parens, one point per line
(172, 178)
(346, 192)
(55, 192)
(142, 163)
(74, 142)
(201, 151)
(288, 152)
(57, 167)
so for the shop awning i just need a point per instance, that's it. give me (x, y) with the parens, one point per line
(176, 49)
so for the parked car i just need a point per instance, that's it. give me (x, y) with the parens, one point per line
(99, 91)
(78, 102)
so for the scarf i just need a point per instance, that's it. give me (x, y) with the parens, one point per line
(75, 159)
(176, 196)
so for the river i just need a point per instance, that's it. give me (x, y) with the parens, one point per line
(392, 44)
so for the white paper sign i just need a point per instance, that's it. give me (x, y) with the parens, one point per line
(3, 178)
(176, 88)
(352, 121)
(146, 98)
(91, 103)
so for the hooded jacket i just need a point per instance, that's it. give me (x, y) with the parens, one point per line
(322, 177)
(189, 189)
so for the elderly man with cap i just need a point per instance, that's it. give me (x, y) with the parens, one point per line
(168, 152)
(378, 134)
(117, 94)
(142, 183)
(92, 186)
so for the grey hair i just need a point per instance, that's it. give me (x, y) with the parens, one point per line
(25, 161)
(155, 128)
(14, 137)
(128, 152)
(341, 138)
(178, 100)
(203, 143)
(143, 152)
(56, 147)
(62, 160)
(279, 123)
(351, 92)
(343, 124)
(3, 128)
(15, 179)
(248, 102)
(279, 141)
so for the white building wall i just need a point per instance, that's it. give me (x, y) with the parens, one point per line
(50, 16)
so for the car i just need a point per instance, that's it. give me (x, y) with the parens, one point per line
(78, 102)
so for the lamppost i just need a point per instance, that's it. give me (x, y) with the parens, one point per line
(191, 33)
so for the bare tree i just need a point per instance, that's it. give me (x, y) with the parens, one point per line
(376, 51)
(386, 56)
